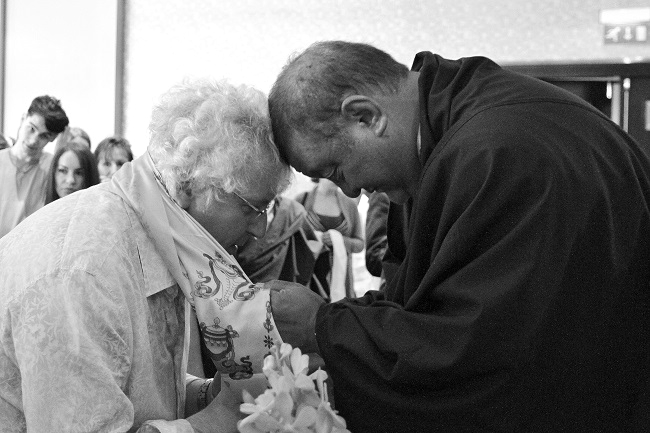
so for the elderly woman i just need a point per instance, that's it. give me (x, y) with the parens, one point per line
(95, 290)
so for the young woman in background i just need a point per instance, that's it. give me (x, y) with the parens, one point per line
(73, 168)
(111, 154)
(330, 211)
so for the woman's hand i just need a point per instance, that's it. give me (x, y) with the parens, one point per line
(221, 415)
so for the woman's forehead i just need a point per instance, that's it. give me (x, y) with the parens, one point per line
(115, 153)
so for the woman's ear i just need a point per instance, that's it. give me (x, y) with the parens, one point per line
(183, 196)
(366, 112)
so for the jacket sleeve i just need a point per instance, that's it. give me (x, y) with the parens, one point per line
(376, 232)
(485, 256)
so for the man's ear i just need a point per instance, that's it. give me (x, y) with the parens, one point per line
(365, 110)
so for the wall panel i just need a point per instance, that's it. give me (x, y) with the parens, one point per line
(67, 49)
(249, 40)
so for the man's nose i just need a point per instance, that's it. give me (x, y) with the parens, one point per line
(31, 138)
(257, 227)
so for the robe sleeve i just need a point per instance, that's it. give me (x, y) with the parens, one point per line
(486, 252)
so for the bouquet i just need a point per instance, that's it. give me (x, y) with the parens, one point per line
(295, 402)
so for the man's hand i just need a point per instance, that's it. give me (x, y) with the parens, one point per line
(294, 309)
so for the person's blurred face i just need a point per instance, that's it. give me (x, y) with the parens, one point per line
(33, 135)
(233, 220)
(111, 161)
(69, 176)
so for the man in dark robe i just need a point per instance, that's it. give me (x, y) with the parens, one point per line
(522, 303)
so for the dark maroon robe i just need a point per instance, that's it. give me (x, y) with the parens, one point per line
(523, 300)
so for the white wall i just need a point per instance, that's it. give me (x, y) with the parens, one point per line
(66, 49)
(250, 40)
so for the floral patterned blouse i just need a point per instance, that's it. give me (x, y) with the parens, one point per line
(92, 326)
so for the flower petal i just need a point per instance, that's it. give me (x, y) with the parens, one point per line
(265, 422)
(285, 351)
(270, 365)
(283, 406)
(324, 422)
(247, 397)
(310, 398)
(248, 408)
(299, 362)
(305, 417)
(265, 398)
(304, 382)
(247, 425)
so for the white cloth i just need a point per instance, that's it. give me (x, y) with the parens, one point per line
(339, 266)
(233, 313)
(92, 331)
(92, 322)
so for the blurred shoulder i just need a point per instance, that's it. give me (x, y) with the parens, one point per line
(46, 160)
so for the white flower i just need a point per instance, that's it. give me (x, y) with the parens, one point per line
(293, 404)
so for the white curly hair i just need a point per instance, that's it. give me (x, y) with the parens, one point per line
(208, 137)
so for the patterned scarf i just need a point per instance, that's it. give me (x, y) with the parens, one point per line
(234, 314)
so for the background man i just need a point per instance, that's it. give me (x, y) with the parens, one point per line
(522, 301)
(24, 166)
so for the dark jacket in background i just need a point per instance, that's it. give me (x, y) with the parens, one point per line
(382, 260)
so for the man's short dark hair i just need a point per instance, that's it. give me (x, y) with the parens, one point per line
(308, 93)
(50, 108)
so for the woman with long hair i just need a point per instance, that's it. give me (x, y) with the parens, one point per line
(73, 168)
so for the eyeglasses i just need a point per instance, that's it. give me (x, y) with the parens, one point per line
(255, 208)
